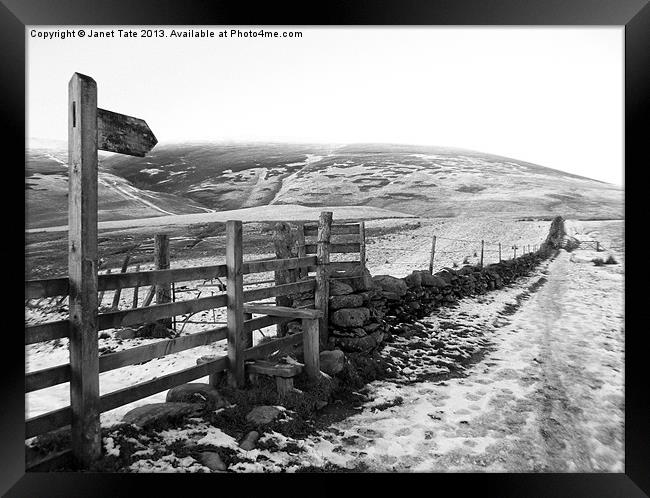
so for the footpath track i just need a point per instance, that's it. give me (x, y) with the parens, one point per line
(546, 397)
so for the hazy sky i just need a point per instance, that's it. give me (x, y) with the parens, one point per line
(551, 96)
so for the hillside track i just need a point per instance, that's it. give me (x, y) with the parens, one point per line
(546, 397)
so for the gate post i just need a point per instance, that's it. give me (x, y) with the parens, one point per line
(82, 268)
(322, 292)
(362, 246)
(161, 261)
(235, 310)
(282, 242)
(301, 249)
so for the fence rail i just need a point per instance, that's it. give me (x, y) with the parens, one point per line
(35, 289)
(237, 332)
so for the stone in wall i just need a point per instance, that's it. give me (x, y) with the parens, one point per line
(339, 288)
(347, 301)
(350, 317)
(392, 285)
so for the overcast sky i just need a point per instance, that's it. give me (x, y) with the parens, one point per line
(551, 96)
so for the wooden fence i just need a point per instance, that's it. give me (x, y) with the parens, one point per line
(313, 256)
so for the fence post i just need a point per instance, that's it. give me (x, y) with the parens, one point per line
(482, 247)
(82, 269)
(515, 252)
(118, 291)
(321, 294)
(362, 245)
(161, 261)
(433, 254)
(248, 336)
(499, 252)
(282, 243)
(235, 310)
(311, 352)
(136, 289)
(597, 246)
(301, 249)
(101, 293)
(149, 297)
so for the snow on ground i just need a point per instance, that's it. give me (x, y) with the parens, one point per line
(546, 396)
(400, 253)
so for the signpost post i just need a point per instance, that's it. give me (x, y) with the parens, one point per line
(89, 129)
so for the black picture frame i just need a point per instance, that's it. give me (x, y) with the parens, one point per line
(633, 14)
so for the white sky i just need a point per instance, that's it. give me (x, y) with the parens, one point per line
(551, 96)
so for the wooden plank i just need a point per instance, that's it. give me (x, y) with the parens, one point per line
(235, 293)
(123, 318)
(35, 289)
(283, 242)
(362, 246)
(118, 292)
(278, 290)
(302, 253)
(159, 349)
(265, 349)
(263, 321)
(148, 388)
(47, 377)
(100, 299)
(278, 264)
(149, 297)
(51, 462)
(161, 262)
(273, 369)
(336, 229)
(47, 331)
(321, 294)
(47, 422)
(283, 311)
(82, 268)
(136, 290)
(152, 277)
(311, 351)
(123, 134)
(61, 373)
(62, 417)
(343, 265)
(350, 247)
(248, 333)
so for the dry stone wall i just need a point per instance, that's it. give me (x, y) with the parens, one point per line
(364, 309)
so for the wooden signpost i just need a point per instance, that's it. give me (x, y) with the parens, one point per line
(89, 130)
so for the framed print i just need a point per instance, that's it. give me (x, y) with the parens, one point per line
(385, 241)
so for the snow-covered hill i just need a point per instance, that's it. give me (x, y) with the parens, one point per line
(184, 178)
(418, 180)
(46, 191)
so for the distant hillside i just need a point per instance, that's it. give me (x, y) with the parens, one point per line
(425, 181)
(418, 180)
(46, 191)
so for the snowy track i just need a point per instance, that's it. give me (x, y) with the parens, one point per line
(549, 397)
